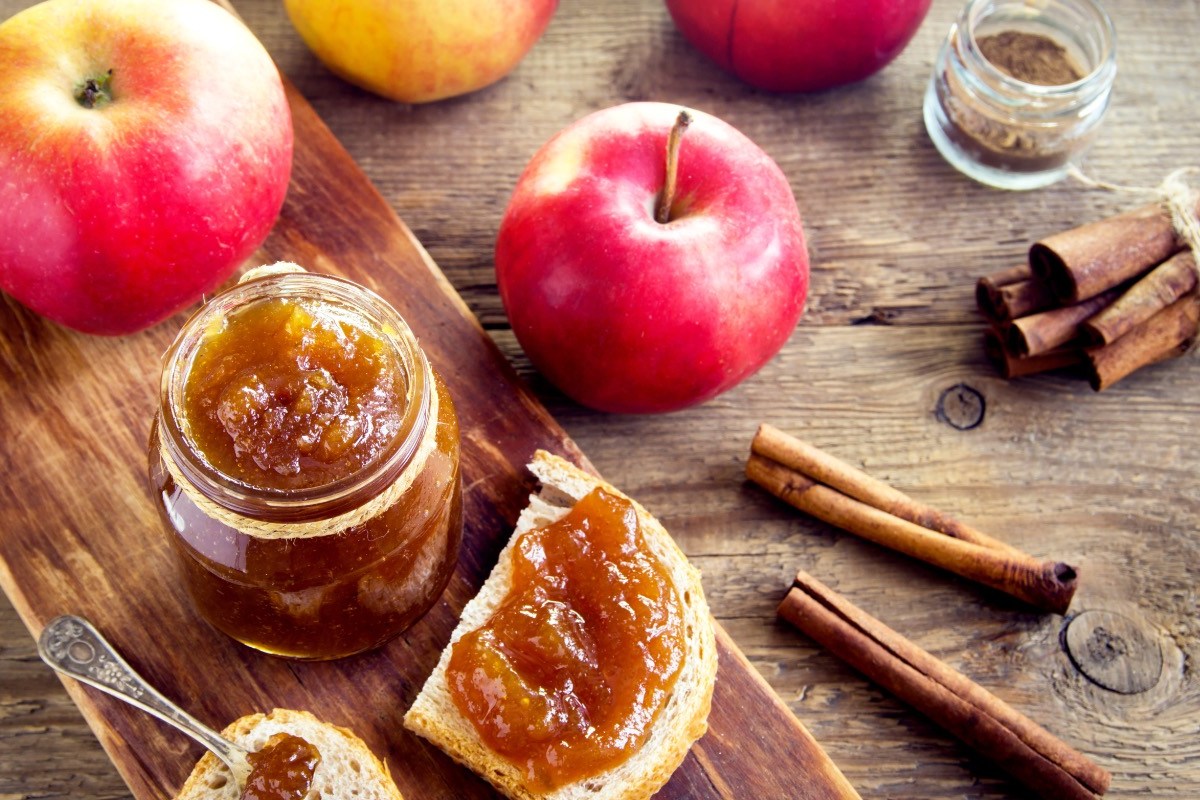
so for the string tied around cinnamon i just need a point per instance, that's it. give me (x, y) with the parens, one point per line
(1180, 199)
(1176, 195)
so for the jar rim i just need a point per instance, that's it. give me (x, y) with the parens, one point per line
(977, 11)
(324, 500)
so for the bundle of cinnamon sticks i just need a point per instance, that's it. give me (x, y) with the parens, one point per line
(838, 493)
(1113, 296)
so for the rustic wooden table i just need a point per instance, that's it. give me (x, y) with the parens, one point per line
(897, 238)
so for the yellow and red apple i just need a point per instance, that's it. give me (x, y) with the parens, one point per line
(626, 313)
(417, 51)
(799, 45)
(145, 150)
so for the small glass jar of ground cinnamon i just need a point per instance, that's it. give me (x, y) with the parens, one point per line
(305, 459)
(1019, 89)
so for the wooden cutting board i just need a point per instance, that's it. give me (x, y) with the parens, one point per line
(79, 532)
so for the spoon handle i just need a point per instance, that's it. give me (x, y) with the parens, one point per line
(74, 647)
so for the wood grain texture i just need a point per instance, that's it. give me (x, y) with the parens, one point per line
(82, 534)
(898, 239)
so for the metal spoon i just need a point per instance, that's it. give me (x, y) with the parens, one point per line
(74, 647)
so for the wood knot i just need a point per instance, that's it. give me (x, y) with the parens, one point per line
(1114, 651)
(961, 407)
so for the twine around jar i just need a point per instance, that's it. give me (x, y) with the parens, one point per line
(265, 529)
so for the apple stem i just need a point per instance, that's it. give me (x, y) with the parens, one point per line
(95, 91)
(665, 200)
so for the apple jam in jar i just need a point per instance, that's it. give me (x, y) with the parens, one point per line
(306, 463)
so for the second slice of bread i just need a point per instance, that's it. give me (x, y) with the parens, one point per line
(348, 769)
(682, 721)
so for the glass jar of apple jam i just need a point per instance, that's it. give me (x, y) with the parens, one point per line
(305, 459)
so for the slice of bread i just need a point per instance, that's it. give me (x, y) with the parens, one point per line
(682, 721)
(348, 769)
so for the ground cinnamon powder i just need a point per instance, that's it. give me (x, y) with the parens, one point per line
(1030, 57)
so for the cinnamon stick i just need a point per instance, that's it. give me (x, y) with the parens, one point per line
(820, 466)
(1085, 261)
(1050, 330)
(1044, 584)
(1026, 751)
(1002, 302)
(1020, 299)
(1158, 289)
(1014, 274)
(988, 290)
(1165, 335)
(1012, 366)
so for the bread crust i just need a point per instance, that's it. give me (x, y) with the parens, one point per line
(341, 752)
(683, 720)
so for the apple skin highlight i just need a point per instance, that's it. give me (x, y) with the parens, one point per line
(624, 313)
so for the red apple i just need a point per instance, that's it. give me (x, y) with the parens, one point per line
(799, 45)
(145, 150)
(626, 313)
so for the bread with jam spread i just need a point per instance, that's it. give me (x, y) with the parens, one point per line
(348, 770)
(682, 719)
